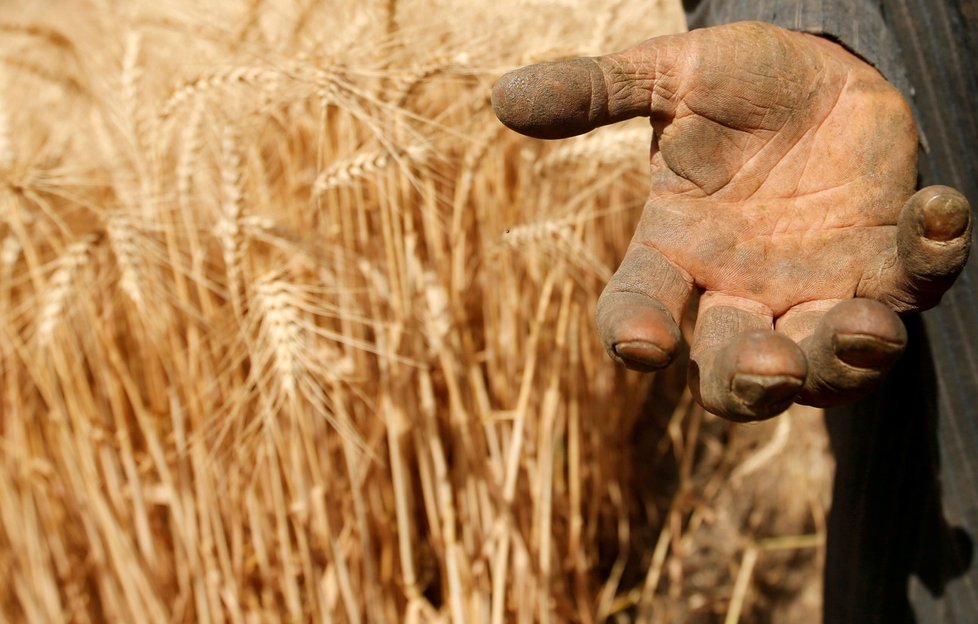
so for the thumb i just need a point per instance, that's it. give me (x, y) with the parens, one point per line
(560, 99)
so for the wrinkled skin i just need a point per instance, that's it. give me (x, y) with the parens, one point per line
(782, 187)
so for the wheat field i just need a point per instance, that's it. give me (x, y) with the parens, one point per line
(292, 329)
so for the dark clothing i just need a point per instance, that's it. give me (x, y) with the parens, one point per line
(856, 24)
(904, 516)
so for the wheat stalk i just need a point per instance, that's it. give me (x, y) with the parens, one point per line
(280, 326)
(349, 171)
(251, 75)
(130, 77)
(10, 252)
(7, 153)
(49, 35)
(124, 241)
(229, 228)
(44, 74)
(61, 285)
(188, 154)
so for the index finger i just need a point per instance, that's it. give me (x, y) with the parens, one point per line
(560, 99)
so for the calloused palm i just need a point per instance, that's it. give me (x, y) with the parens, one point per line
(782, 186)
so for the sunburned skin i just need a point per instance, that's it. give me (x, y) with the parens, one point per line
(782, 186)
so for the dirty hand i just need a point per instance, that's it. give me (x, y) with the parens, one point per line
(782, 186)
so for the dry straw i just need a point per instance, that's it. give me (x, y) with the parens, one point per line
(292, 329)
(7, 154)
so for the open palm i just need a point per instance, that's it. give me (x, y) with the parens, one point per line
(782, 178)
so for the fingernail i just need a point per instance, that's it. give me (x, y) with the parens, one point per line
(768, 395)
(864, 351)
(642, 355)
(945, 217)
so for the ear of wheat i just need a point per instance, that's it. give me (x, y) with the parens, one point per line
(60, 287)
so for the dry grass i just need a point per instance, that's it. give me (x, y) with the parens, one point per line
(292, 328)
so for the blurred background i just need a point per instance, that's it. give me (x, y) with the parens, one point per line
(292, 329)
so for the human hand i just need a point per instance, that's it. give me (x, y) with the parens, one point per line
(782, 186)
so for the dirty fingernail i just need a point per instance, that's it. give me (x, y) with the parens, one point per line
(865, 351)
(766, 394)
(945, 216)
(642, 355)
